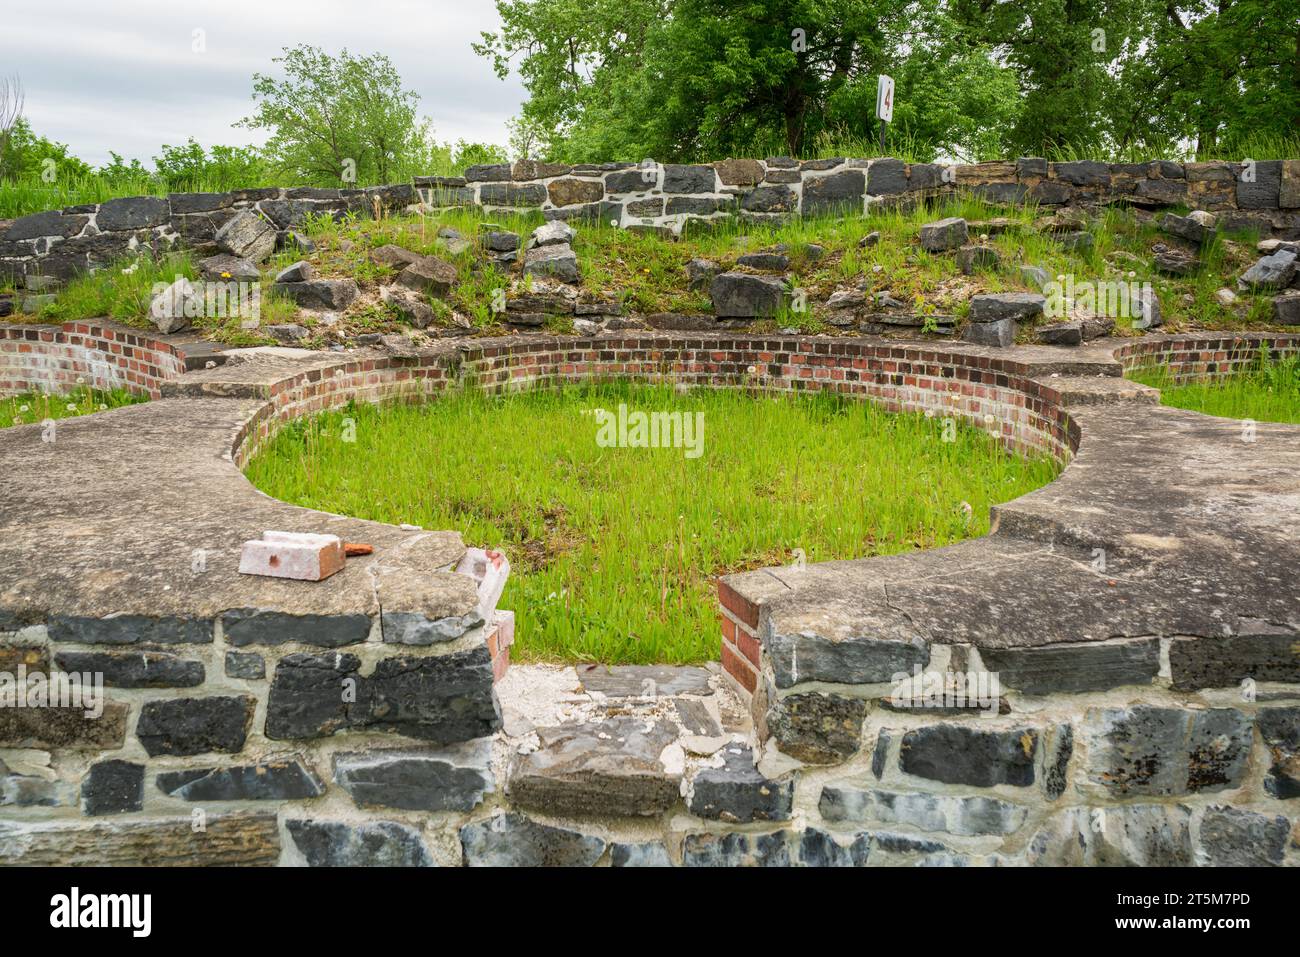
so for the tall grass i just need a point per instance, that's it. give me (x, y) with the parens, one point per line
(616, 550)
(1268, 390)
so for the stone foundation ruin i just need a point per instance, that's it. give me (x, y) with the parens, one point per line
(1141, 615)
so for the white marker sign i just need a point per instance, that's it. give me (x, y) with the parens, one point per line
(885, 98)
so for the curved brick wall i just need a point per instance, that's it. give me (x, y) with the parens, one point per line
(95, 354)
(965, 384)
(1202, 356)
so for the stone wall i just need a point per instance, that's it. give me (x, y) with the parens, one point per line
(656, 197)
(1139, 749)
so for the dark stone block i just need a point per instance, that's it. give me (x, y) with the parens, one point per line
(680, 178)
(924, 176)
(654, 206)
(1059, 748)
(1133, 835)
(962, 754)
(130, 630)
(1093, 666)
(770, 199)
(113, 787)
(632, 180)
(1266, 189)
(639, 855)
(842, 662)
(198, 202)
(952, 813)
(52, 223)
(1224, 662)
(293, 213)
(488, 173)
(1236, 837)
(50, 729)
(815, 728)
(415, 628)
(744, 296)
(1146, 750)
(1000, 192)
(886, 177)
(1082, 173)
(820, 165)
(185, 726)
(880, 754)
(1027, 166)
(441, 698)
(134, 212)
(137, 669)
(245, 665)
(1050, 193)
(1280, 729)
(269, 781)
(736, 850)
(819, 849)
(256, 626)
(455, 780)
(512, 194)
(838, 192)
(378, 844)
(738, 794)
(698, 206)
(1161, 192)
(512, 840)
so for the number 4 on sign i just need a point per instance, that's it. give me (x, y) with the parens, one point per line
(885, 98)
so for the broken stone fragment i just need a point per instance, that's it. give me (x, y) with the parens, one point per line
(1271, 272)
(944, 234)
(429, 274)
(226, 267)
(298, 555)
(333, 294)
(555, 233)
(247, 236)
(611, 767)
(738, 793)
(556, 261)
(301, 271)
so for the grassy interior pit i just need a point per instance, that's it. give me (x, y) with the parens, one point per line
(616, 550)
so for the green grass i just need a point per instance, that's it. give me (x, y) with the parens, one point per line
(1268, 391)
(32, 407)
(616, 551)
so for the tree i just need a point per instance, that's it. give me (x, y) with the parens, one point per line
(191, 167)
(11, 111)
(338, 119)
(689, 79)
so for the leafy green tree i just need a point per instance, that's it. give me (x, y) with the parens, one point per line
(24, 154)
(338, 119)
(191, 167)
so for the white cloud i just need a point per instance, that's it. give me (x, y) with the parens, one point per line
(123, 76)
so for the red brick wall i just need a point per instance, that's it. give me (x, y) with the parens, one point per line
(99, 355)
(1197, 357)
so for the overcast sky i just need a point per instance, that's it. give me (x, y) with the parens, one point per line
(122, 75)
